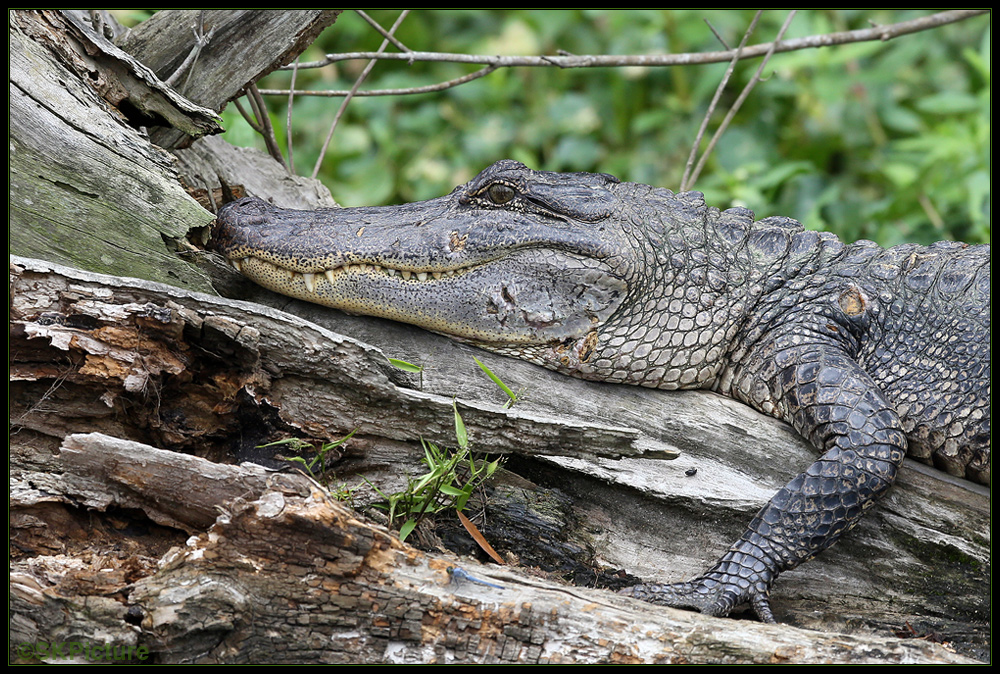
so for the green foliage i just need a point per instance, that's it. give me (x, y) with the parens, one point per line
(888, 141)
(299, 445)
(451, 478)
(452, 475)
(449, 482)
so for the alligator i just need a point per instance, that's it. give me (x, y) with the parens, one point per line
(869, 353)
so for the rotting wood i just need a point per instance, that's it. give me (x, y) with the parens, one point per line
(300, 359)
(294, 563)
(86, 188)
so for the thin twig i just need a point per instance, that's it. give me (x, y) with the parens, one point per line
(200, 42)
(715, 99)
(739, 101)
(430, 88)
(716, 33)
(382, 31)
(602, 61)
(264, 127)
(250, 119)
(931, 212)
(288, 119)
(347, 99)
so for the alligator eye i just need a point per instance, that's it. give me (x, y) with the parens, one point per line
(500, 193)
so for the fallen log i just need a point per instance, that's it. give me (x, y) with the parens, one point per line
(85, 342)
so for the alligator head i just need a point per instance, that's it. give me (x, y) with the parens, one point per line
(515, 259)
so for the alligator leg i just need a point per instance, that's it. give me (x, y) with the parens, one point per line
(837, 406)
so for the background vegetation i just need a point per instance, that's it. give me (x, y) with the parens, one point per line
(882, 140)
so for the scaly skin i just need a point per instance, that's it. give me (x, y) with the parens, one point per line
(865, 352)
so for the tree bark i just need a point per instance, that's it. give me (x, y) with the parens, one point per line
(213, 54)
(135, 407)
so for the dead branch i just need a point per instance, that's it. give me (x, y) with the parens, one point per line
(357, 83)
(881, 33)
(715, 99)
(690, 180)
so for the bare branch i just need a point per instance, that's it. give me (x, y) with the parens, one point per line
(719, 37)
(201, 40)
(430, 88)
(343, 105)
(932, 213)
(249, 118)
(260, 122)
(739, 101)
(715, 99)
(266, 130)
(382, 31)
(882, 33)
(288, 117)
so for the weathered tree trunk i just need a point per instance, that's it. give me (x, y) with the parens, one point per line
(237, 47)
(86, 188)
(133, 402)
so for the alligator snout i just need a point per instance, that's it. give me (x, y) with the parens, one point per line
(235, 219)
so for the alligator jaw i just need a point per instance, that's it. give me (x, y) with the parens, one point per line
(496, 302)
(257, 268)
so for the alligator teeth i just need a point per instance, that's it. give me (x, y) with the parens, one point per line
(237, 263)
(310, 280)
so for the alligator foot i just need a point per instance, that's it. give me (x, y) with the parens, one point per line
(713, 594)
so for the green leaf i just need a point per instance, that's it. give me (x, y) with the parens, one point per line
(425, 480)
(336, 443)
(430, 452)
(948, 102)
(460, 432)
(901, 175)
(492, 466)
(407, 528)
(460, 501)
(296, 444)
(496, 380)
(403, 365)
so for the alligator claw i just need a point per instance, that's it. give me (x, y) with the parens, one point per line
(712, 594)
